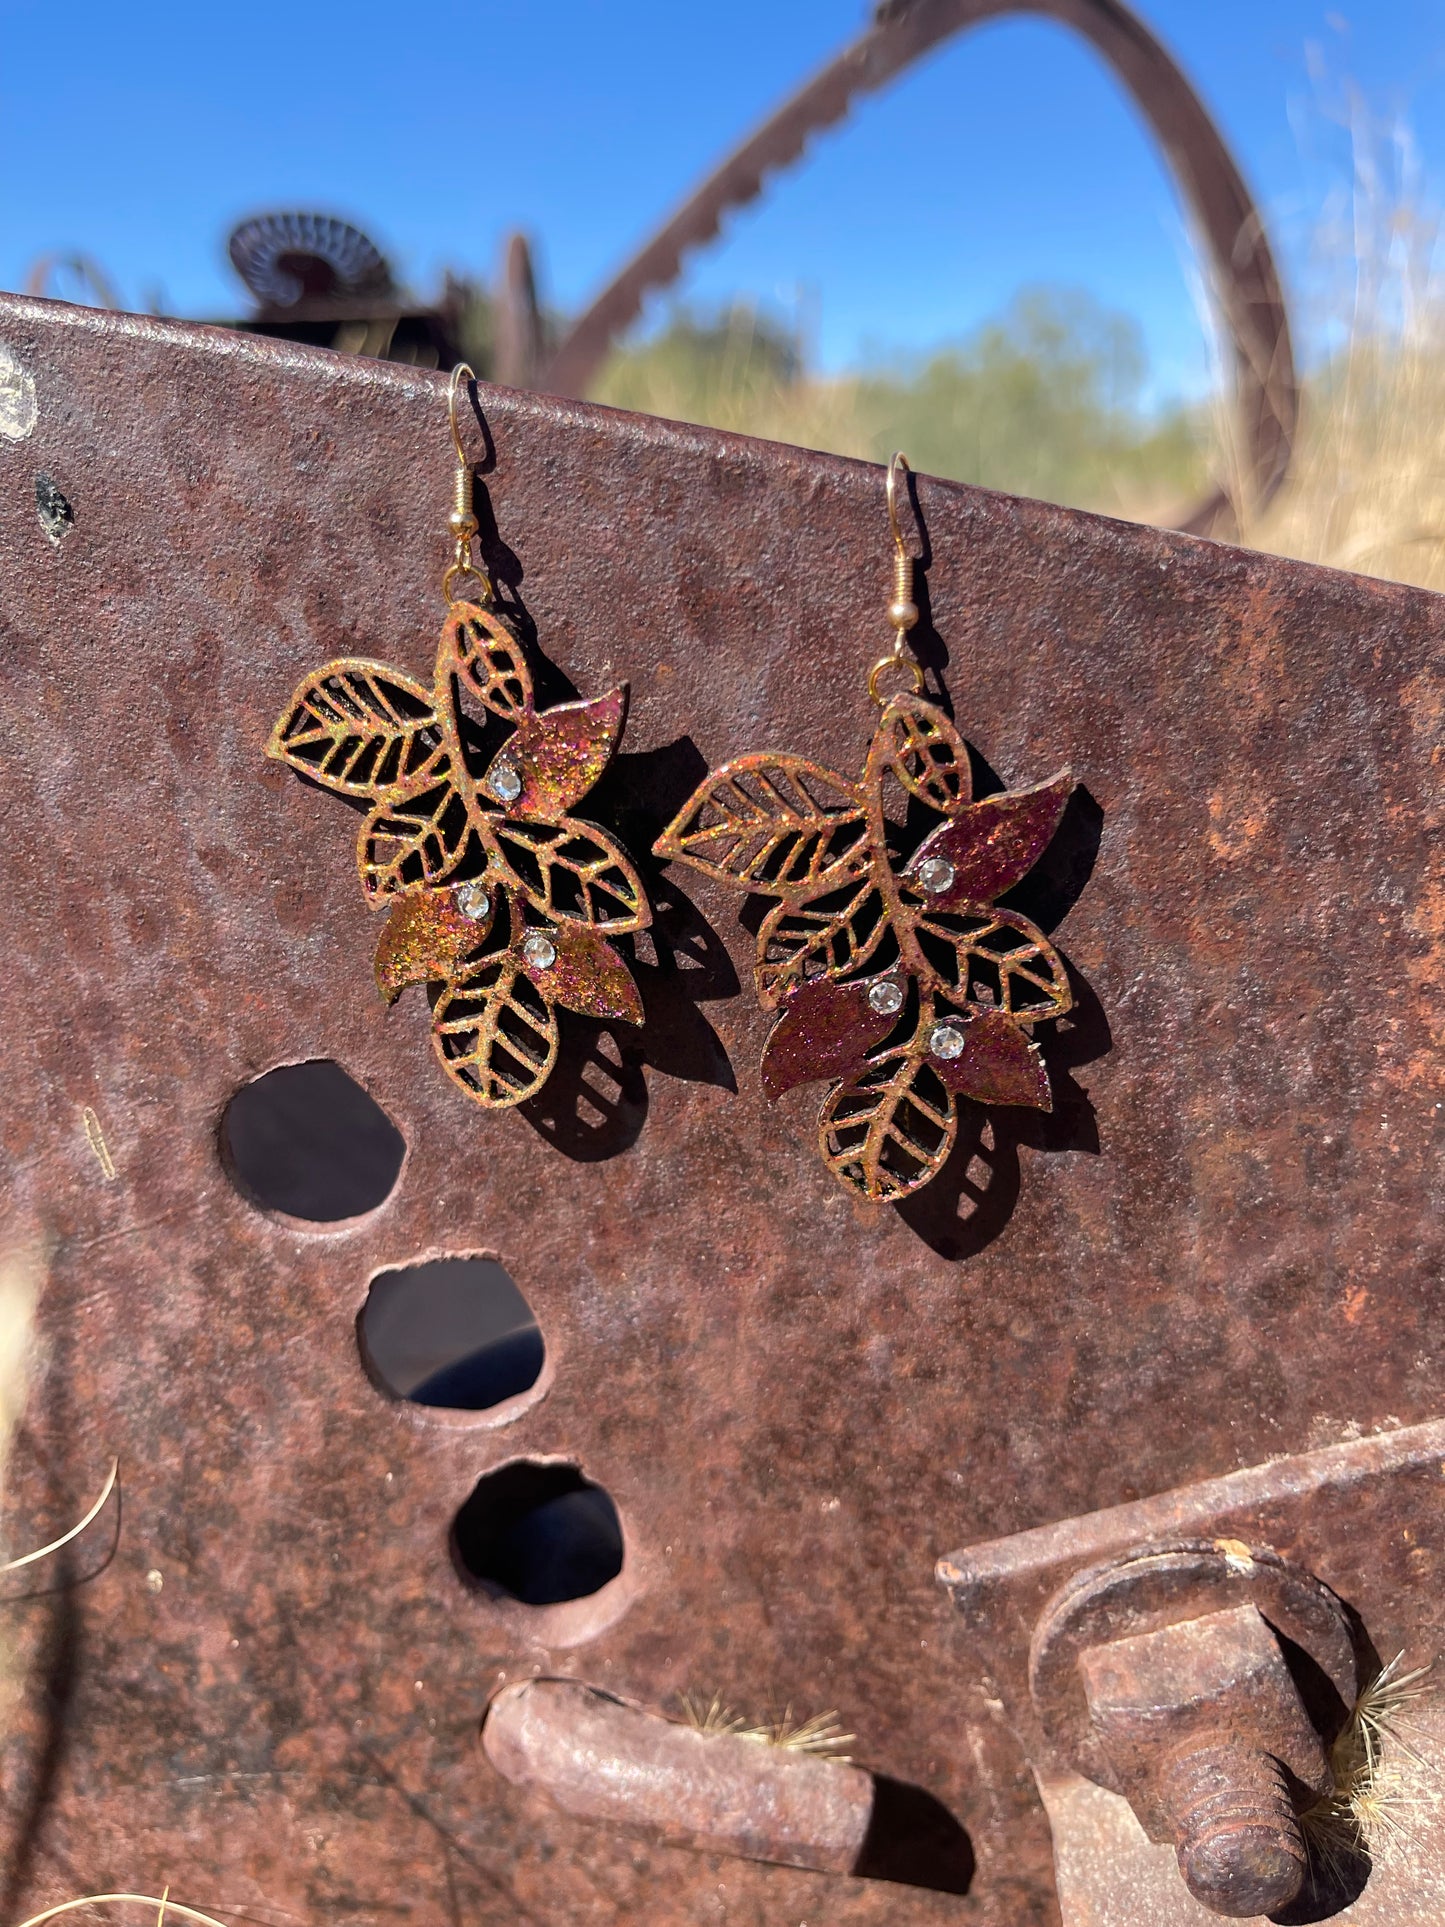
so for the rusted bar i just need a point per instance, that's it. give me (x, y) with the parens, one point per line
(599, 1759)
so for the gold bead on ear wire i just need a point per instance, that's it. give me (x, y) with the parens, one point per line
(900, 981)
(499, 900)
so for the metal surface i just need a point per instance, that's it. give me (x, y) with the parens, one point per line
(1223, 1244)
(1242, 278)
(1146, 1672)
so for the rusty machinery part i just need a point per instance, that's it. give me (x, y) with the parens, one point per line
(288, 258)
(1223, 1230)
(1161, 1676)
(1244, 281)
(519, 343)
(601, 1759)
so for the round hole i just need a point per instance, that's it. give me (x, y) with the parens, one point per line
(454, 1333)
(538, 1533)
(306, 1140)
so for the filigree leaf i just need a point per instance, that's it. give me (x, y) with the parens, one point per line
(997, 1065)
(825, 1029)
(572, 870)
(479, 649)
(832, 935)
(585, 973)
(994, 844)
(995, 956)
(558, 755)
(358, 728)
(413, 839)
(425, 937)
(496, 1032)
(776, 824)
(890, 1129)
(917, 744)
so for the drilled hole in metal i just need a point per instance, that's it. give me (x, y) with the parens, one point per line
(538, 1533)
(451, 1332)
(307, 1141)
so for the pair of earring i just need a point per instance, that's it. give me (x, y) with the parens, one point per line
(897, 976)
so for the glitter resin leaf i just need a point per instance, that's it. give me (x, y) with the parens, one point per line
(572, 870)
(776, 824)
(496, 894)
(358, 728)
(889, 1129)
(894, 971)
(495, 1032)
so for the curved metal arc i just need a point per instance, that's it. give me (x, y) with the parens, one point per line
(1245, 281)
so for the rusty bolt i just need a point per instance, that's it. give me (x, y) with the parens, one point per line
(1163, 1676)
(1201, 1723)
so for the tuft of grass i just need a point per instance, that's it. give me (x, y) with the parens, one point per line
(1381, 1777)
(820, 1735)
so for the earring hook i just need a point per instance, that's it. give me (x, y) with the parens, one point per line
(902, 610)
(462, 521)
(462, 372)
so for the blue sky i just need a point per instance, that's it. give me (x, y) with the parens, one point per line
(140, 132)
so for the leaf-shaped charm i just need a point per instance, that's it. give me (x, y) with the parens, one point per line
(826, 1029)
(358, 728)
(988, 847)
(834, 934)
(414, 839)
(556, 756)
(496, 1032)
(918, 745)
(994, 955)
(426, 935)
(890, 1129)
(776, 824)
(571, 870)
(996, 1064)
(481, 650)
(574, 967)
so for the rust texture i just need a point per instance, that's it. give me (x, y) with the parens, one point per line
(898, 977)
(1242, 276)
(1222, 1245)
(602, 1760)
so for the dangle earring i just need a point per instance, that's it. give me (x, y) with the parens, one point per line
(894, 973)
(498, 898)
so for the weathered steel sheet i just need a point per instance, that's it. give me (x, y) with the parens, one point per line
(1224, 1244)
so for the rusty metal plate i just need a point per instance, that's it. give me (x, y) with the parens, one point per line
(1222, 1245)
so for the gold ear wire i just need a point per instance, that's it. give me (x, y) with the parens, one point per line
(462, 521)
(902, 610)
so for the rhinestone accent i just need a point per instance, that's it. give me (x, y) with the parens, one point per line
(935, 874)
(539, 951)
(886, 998)
(474, 901)
(947, 1040)
(505, 783)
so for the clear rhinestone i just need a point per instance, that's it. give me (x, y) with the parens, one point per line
(506, 785)
(935, 874)
(539, 951)
(474, 901)
(886, 998)
(947, 1040)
